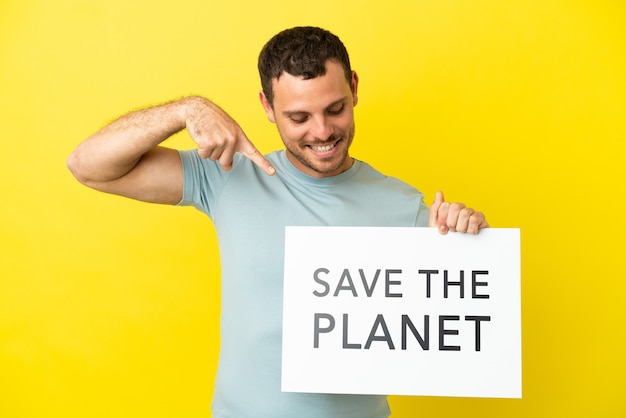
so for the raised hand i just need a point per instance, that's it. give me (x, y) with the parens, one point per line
(218, 136)
(455, 217)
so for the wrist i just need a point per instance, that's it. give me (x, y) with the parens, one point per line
(189, 106)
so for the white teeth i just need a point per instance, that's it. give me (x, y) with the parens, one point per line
(324, 148)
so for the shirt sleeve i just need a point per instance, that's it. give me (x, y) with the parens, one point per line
(203, 181)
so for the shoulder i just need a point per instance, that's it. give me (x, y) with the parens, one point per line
(370, 175)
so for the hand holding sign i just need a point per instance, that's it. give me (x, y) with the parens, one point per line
(455, 217)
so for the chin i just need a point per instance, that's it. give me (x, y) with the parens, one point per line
(331, 168)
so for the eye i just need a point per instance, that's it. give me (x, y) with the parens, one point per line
(299, 120)
(337, 109)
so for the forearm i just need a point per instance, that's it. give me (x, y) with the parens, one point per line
(116, 149)
(124, 157)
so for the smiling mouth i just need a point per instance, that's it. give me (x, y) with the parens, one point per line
(324, 148)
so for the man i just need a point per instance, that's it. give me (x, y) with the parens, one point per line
(309, 91)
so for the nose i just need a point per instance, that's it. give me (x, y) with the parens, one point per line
(321, 128)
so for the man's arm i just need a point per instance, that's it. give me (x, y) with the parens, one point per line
(125, 157)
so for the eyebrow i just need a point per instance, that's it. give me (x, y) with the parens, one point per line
(302, 112)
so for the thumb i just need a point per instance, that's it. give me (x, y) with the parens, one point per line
(434, 208)
(439, 199)
(438, 214)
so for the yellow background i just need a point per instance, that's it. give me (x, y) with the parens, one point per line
(109, 307)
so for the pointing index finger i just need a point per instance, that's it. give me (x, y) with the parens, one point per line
(249, 150)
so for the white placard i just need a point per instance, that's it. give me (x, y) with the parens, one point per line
(404, 311)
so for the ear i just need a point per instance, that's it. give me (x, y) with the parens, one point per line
(354, 86)
(267, 107)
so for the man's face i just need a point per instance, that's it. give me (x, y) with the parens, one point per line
(315, 119)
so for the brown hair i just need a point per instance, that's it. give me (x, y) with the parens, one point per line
(300, 51)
